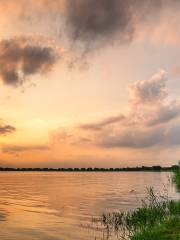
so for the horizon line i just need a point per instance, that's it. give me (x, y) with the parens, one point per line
(92, 169)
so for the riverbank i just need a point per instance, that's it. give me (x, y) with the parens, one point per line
(167, 230)
(157, 219)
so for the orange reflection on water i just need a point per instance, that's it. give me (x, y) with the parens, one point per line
(45, 205)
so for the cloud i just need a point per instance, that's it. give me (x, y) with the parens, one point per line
(94, 24)
(68, 137)
(22, 57)
(26, 10)
(6, 129)
(164, 114)
(163, 28)
(102, 124)
(173, 135)
(132, 138)
(61, 136)
(149, 122)
(91, 21)
(150, 104)
(13, 149)
(150, 91)
(142, 137)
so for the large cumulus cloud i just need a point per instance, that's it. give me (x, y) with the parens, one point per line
(152, 119)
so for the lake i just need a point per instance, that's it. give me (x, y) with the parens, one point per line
(60, 205)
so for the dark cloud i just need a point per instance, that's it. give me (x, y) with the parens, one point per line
(95, 23)
(102, 124)
(23, 57)
(6, 129)
(13, 149)
(92, 24)
(93, 20)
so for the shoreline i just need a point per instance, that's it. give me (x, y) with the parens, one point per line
(128, 169)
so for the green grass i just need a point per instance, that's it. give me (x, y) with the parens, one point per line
(168, 230)
(158, 218)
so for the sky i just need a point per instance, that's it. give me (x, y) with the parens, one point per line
(89, 83)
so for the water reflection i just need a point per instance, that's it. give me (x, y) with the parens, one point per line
(3, 215)
(59, 206)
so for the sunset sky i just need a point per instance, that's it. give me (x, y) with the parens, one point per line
(89, 83)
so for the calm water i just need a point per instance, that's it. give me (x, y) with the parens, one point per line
(60, 206)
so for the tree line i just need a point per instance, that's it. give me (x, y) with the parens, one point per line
(89, 169)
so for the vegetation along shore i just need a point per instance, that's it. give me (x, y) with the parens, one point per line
(157, 219)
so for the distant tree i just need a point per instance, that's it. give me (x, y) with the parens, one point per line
(175, 167)
(157, 168)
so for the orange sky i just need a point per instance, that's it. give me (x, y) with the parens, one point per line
(86, 84)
